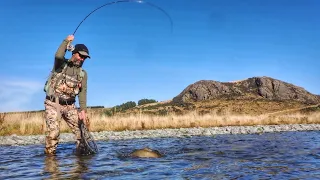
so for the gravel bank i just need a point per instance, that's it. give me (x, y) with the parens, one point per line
(182, 132)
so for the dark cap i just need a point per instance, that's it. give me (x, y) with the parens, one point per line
(81, 49)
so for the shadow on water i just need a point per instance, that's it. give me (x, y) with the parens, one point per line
(267, 156)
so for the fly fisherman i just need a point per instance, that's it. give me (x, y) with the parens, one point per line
(66, 81)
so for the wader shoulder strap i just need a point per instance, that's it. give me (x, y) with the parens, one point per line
(52, 73)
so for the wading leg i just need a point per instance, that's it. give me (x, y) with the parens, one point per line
(53, 127)
(70, 115)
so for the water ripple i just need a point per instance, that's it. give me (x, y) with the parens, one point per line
(286, 155)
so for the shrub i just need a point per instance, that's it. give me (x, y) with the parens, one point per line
(124, 106)
(146, 101)
(108, 112)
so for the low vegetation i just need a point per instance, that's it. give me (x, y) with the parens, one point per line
(146, 101)
(126, 106)
(166, 115)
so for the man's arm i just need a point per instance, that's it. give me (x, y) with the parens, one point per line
(83, 93)
(61, 52)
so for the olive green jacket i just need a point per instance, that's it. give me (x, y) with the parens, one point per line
(72, 70)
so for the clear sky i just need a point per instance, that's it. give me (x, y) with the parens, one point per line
(135, 55)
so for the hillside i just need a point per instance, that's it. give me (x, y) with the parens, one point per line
(263, 88)
(253, 96)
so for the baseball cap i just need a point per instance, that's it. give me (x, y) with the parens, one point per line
(81, 49)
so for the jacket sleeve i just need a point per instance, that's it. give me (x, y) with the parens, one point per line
(83, 93)
(59, 56)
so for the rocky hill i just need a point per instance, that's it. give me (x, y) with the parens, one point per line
(251, 88)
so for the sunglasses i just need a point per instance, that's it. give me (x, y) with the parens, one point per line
(82, 56)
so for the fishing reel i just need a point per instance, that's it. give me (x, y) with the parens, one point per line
(70, 47)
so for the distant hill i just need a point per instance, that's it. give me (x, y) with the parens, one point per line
(251, 88)
(252, 96)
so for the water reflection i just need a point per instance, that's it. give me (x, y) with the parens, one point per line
(51, 166)
(74, 167)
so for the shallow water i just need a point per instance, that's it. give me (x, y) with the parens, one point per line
(287, 155)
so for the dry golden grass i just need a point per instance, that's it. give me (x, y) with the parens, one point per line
(31, 124)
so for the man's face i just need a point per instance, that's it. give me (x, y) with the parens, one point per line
(78, 59)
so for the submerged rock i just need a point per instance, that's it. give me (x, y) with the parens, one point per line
(146, 153)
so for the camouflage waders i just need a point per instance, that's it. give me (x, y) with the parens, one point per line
(52, 115)
(66, 81)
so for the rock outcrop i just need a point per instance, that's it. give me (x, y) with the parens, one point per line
(255, 87)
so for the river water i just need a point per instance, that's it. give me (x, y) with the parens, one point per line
(285, 155)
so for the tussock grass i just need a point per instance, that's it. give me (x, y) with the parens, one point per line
(34, 123)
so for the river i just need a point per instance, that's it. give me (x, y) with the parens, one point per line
(280, 155)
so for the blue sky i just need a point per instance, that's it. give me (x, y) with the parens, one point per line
(135, 55)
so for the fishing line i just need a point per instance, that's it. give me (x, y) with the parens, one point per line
(123, 1)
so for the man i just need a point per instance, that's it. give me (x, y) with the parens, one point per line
(66, 81)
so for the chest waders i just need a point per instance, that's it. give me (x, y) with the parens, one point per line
(51, 83)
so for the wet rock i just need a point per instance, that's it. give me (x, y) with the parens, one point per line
(207, 132)
(9, 141)
(146, 153)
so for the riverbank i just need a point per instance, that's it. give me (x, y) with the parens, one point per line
(14, 140)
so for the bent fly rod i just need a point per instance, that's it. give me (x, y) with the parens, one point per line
(124, 1)
(70, 47)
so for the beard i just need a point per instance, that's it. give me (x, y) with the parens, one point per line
(77, 63)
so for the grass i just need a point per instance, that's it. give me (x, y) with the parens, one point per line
(34, 123)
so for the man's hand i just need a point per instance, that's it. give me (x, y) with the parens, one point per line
(70, 38)
(82, 115)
